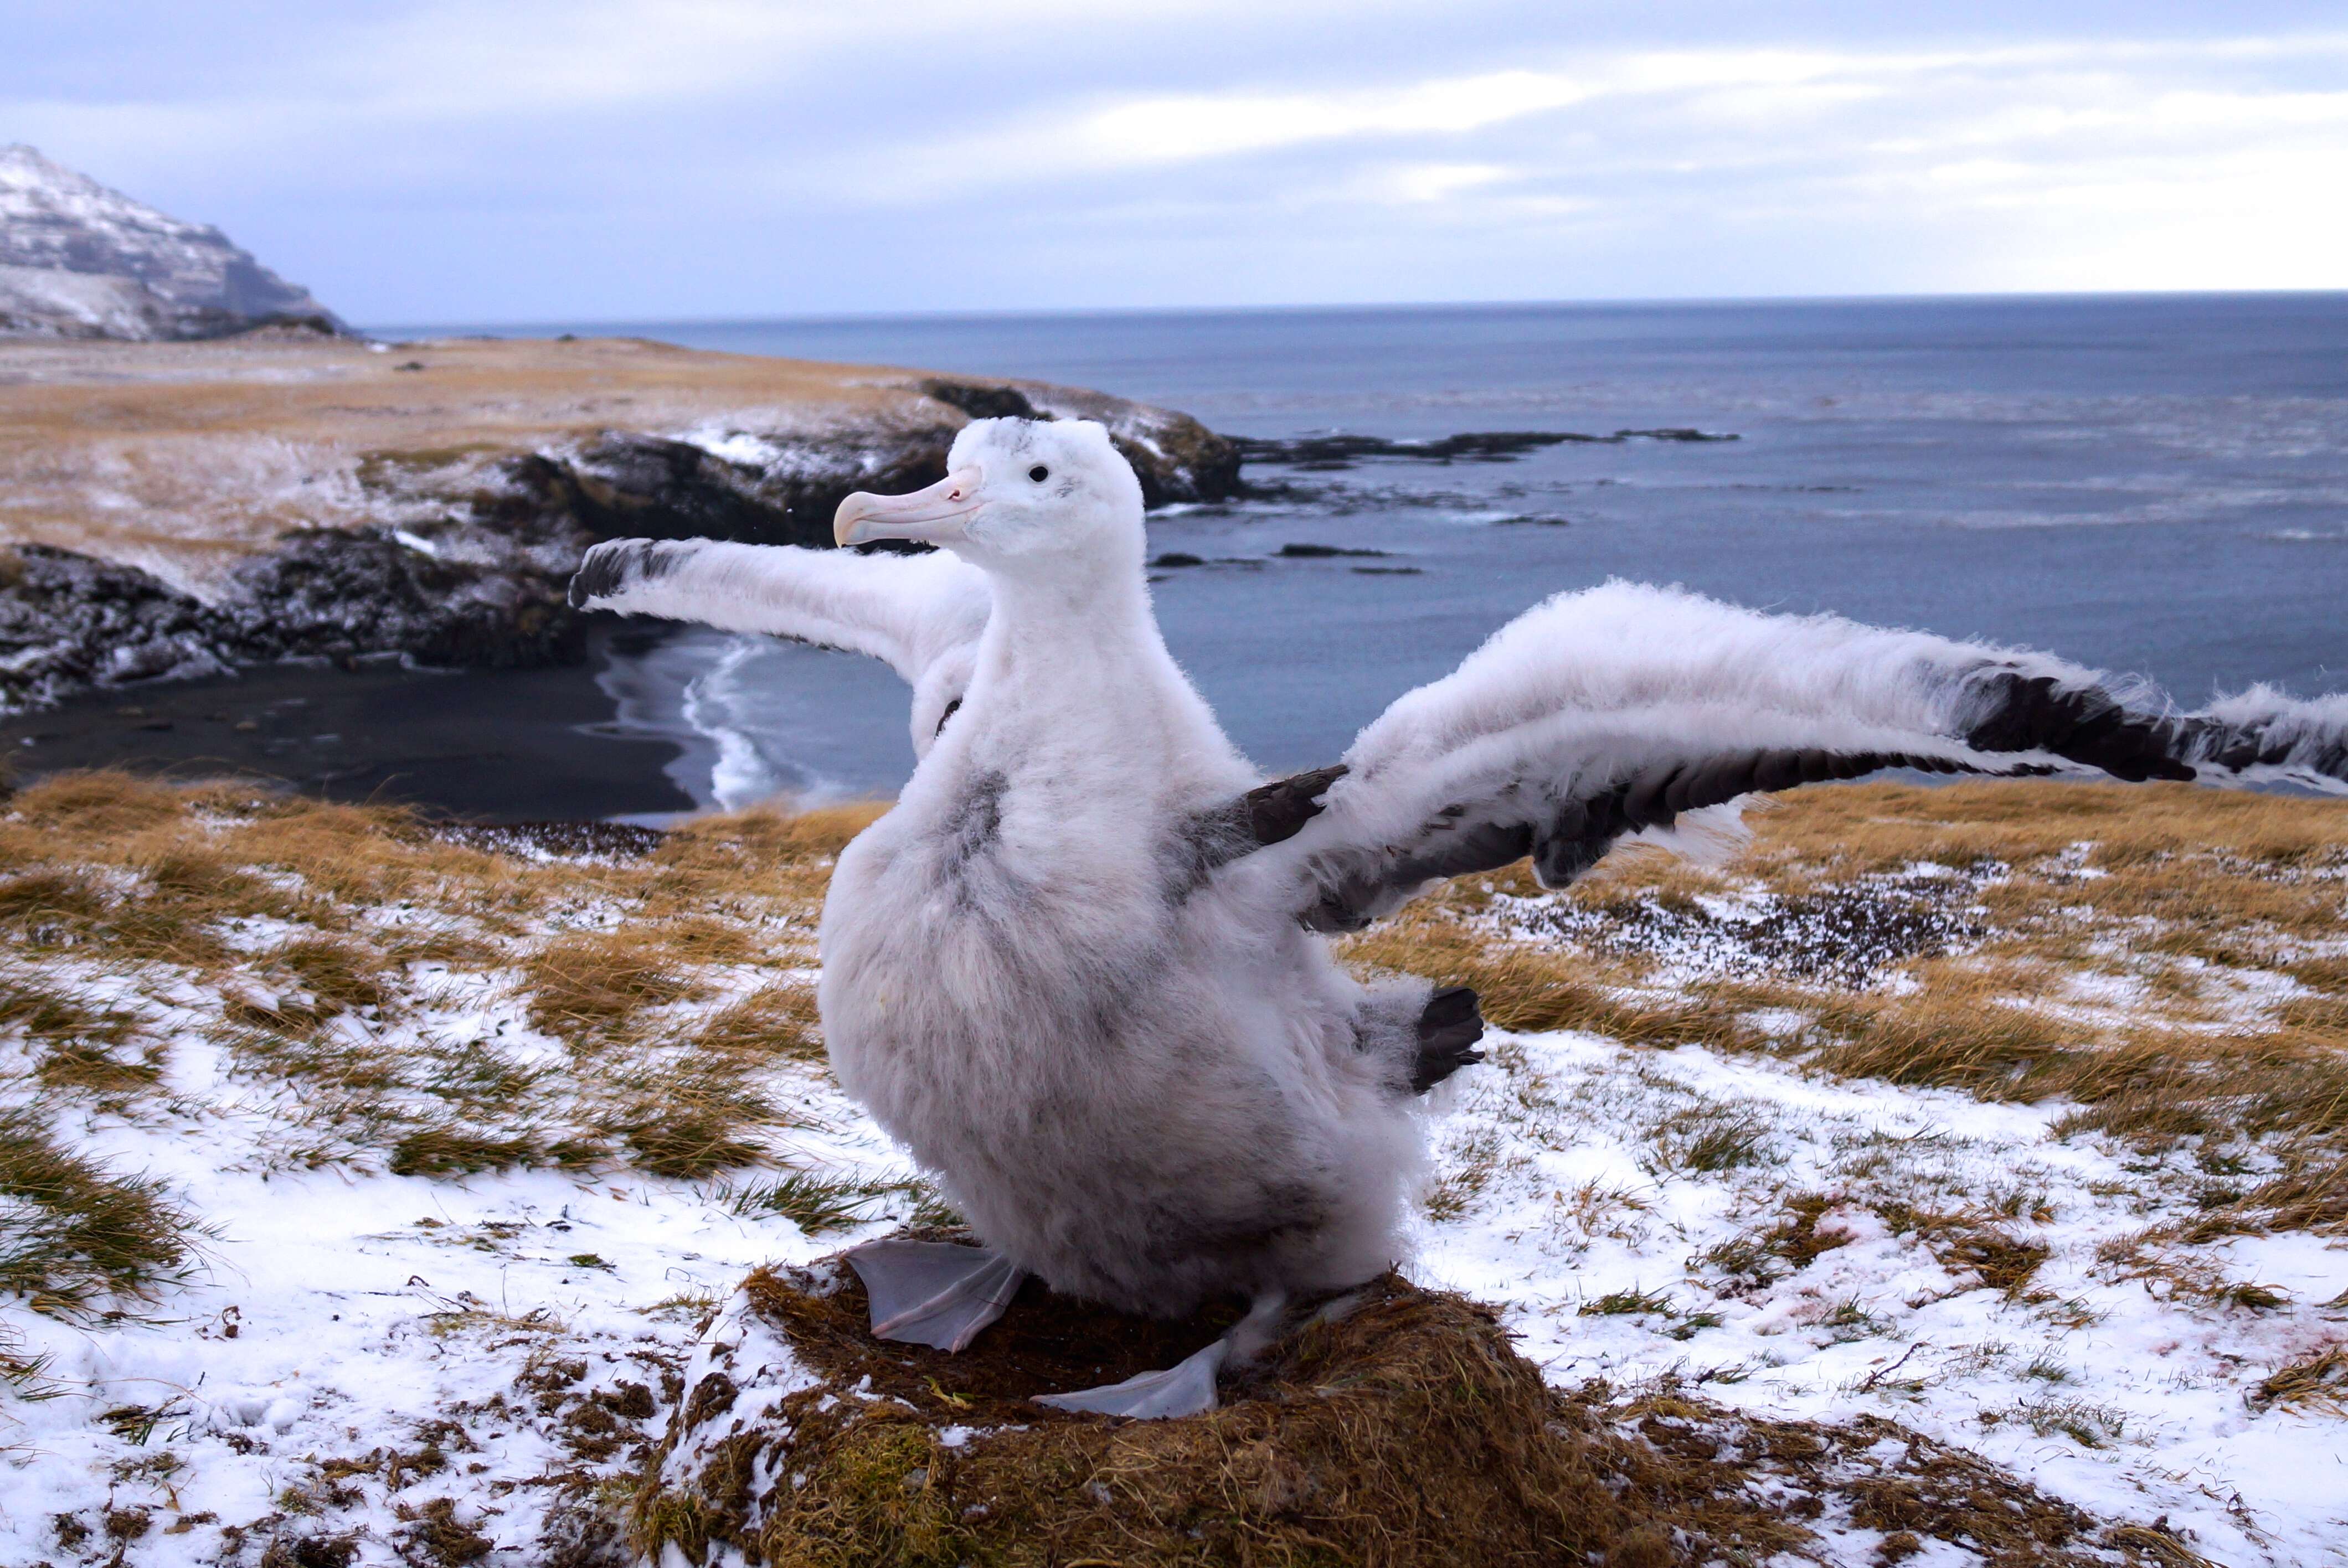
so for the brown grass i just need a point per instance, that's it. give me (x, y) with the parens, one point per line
(778, 1020)
(81, 1238)
(385, 918)
(587, 984)
(2317, 1382)
(2205, 902)
(198, 453)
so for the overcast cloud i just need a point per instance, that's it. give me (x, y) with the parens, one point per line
(617, 159)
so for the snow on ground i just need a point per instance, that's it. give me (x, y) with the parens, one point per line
(356, 1351)
(349, 1316)
(2090, 1384)
(445, 1367)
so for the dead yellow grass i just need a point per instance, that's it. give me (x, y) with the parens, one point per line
(589, 984)
(2169, 958)
(2318, 1382)
(332, 934)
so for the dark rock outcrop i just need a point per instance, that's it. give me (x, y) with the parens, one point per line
(622, 484)
(1176, 458)
(1341, 451)
(344, 593)
(68, 622)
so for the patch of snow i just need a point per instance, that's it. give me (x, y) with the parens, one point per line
(1581, 1202)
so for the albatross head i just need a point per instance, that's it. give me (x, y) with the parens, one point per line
(1023, 498)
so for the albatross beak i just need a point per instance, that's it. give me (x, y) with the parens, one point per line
(934, 515)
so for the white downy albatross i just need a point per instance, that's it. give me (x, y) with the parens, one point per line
(1080, 969)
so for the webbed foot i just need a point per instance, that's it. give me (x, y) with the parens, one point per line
(1185, 1388)
(934, 1292)
(1188, 1387)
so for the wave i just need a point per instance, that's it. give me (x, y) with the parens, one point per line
(755, 719)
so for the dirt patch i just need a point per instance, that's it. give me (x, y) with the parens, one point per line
(1848, 935)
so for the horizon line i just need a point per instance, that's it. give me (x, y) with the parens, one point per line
(1327, 308)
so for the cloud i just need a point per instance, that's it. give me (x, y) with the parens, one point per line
(610, 157)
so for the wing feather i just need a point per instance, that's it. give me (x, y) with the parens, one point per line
(1620, 711)
(920, 614)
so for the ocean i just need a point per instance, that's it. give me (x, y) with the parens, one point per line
(2155, 484)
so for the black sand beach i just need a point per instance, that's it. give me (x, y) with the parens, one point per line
(493, 745)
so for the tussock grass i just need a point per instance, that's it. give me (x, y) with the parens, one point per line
(355, 953)
(591, 984)
(1974, 1244)
(1529, 990)
(46, 1012)
(78, 1238)
(2168, 958)
(778, 1020)
(816, 1203)
(2317, 1382)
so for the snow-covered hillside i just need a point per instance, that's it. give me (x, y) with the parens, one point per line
(80, 260)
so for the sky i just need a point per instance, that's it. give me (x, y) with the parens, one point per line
(529, 160)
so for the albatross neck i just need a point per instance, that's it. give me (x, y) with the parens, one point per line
(1073, 631)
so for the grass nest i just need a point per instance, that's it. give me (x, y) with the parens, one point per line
(1405, 1431)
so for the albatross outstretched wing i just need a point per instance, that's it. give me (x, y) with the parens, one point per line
(922, 613)
(1618, 711)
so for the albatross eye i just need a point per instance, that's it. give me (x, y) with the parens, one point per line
(1039, 473)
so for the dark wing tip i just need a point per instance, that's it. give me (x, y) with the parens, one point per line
(601, 574)
(1279, 810)
(611, 568)
(1447, 1032)
(2083, 725)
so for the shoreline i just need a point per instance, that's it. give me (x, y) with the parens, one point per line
(491, 745)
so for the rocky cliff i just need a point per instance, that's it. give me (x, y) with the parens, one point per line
(80, 260)
(176, 509)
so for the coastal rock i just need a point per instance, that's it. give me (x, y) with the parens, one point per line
(1343, 451)
(68, 622)
(746, 486)
(346, 593)
(80, 260)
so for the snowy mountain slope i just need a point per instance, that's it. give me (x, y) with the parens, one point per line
(80, 260)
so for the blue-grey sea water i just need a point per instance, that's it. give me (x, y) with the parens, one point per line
(2155, 485)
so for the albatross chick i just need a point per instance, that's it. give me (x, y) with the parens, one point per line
(1081, 970)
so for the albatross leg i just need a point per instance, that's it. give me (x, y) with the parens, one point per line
(934, 1293)
(1188, 1387)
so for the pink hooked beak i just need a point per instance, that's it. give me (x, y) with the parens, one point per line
(934, 515)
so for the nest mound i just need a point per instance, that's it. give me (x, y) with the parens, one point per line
(1406, 1431)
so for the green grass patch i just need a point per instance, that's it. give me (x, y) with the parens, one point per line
(80, 1238)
